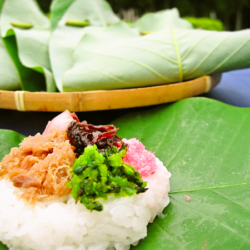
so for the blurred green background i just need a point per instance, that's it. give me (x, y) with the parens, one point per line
(208, 14)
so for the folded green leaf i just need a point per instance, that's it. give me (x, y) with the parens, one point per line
(166, 56)
(161, 20)
(108, 54)
(66, 38)
(31, 80)
(9, 77)
(205, 145)
(32, 43)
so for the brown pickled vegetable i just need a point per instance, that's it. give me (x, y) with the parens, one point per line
(82, 134)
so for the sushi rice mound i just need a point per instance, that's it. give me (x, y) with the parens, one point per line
(64, 225)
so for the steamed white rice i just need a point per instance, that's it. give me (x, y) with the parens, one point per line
(65, 225)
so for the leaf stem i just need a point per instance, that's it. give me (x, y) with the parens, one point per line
(22, 25)
(143, 33)
(77, 23)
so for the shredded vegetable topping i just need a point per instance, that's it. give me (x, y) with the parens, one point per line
(96, 174)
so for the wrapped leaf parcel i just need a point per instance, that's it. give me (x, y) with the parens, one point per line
(9, 78)
(66, 38)
(26, 33)
(85, 47)
(167, 56)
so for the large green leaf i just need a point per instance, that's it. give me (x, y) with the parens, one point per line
(65, 38)
(9, 77)
(120, 32)
(32, 43)
(205, 145)
(161, 20)
(166, 56)
(9, 139)
(3, 247)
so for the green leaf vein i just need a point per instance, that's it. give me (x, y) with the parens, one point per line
(208, 188)
(213, 219)
(179, 38)
(229, 57)
(192, 48)
(184, 139)
(224, 197)
(206, 57)
(228, 146)
(155, 223)
(153, 52)
(127, 59)
(106, 74)
(167, 129)
(155, 40)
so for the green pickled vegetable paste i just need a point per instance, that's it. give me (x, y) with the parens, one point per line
(97, 174)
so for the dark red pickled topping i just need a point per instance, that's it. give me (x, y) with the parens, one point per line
(82, 134)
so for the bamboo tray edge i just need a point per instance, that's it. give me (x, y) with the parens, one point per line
(106, 99)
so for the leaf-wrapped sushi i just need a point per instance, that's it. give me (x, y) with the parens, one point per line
(79, 186)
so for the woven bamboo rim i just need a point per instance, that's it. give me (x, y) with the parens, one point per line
(108, 99)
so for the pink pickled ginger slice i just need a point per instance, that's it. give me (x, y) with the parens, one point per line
(141, 159)
(61, 122)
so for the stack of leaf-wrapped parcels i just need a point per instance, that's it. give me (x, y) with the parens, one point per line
(85, 46)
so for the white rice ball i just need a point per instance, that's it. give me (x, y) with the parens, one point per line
(64, 225)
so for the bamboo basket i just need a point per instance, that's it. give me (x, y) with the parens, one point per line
(108, 99)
